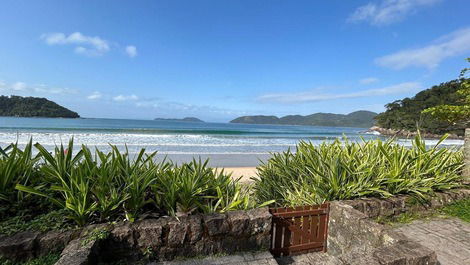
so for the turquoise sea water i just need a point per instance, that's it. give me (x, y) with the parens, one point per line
(226, 144)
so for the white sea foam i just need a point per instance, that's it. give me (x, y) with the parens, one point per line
(179, 143)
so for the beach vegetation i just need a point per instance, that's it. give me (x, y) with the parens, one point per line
(346, 170)
(96, 187)
(91, 186)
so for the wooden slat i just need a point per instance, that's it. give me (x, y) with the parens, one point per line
(299, 229)
(278, 235)
(306, 229)
(314, 228)
(301, 213)
(321, 229)
(303, 247)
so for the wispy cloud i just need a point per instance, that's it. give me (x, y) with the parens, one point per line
(453, 44)
(312, 96)
(95, 95)
(388, 11)
(368, 80)
(172, 107)
(121, 98)
(131, 51)
(24, 89)
(85, 45)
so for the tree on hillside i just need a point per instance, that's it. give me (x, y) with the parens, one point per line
(407, 114)
(455, 114)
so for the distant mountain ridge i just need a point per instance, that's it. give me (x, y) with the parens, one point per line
(187, 119)
(17, 106)
(362, 118)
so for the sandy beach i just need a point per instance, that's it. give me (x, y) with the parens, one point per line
(246, 173)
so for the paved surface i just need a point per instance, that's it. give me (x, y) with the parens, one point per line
(448, 237)
(261, 258)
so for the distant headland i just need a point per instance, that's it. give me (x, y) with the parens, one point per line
(16, 106)
(362, 119)
(186, 119)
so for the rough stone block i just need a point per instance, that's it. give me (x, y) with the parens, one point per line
(19, 246)
(387, 208)
(55, 241)
(177, 230)
(216, 224)
(195, 228)
(122, 236)
(148, 233)
(75, 253)
(372, 207)
(260, 221)
(238, 221)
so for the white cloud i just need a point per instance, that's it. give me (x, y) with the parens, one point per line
(87, 45)
(368, 80)
(453, 44)
(121, 98)
(95, 95)
(18, 86)
(131, 51)
(388, 11)
(309, 96)
(21, 88)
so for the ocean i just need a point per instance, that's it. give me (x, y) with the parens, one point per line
(226, 144)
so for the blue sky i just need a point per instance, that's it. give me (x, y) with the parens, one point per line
(217, 60)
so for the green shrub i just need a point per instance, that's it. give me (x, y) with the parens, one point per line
(16, 167)
(54, 220)
(195, 187)
(101, 187)
(49, 259)
(346, 170)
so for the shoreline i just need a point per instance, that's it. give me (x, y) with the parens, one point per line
(410, 134)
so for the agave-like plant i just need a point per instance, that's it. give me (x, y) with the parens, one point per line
(345, 170)
(66, 182)
(16, 167)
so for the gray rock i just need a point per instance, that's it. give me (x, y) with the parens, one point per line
(216, 224)
(76, 253)
(20, 246)
(55, 241)
(238, 221)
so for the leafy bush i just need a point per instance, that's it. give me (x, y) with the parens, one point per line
(99, 187)
(53, 220)
(346, 170)
(16, 167)
(49, 259)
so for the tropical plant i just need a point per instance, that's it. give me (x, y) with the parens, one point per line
(16, 167)
(346, 170)
(455, 114)
(67, 182)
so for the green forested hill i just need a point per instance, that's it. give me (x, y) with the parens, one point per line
(33, 107)
(361, 118)
(406, 113)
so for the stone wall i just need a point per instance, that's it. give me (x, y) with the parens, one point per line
(158, 239)
(466, 170)
(195, 235)
(374, 207)
(353, 238)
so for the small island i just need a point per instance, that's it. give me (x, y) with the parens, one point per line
(17, 106)
(361, 119)
(186, 119)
